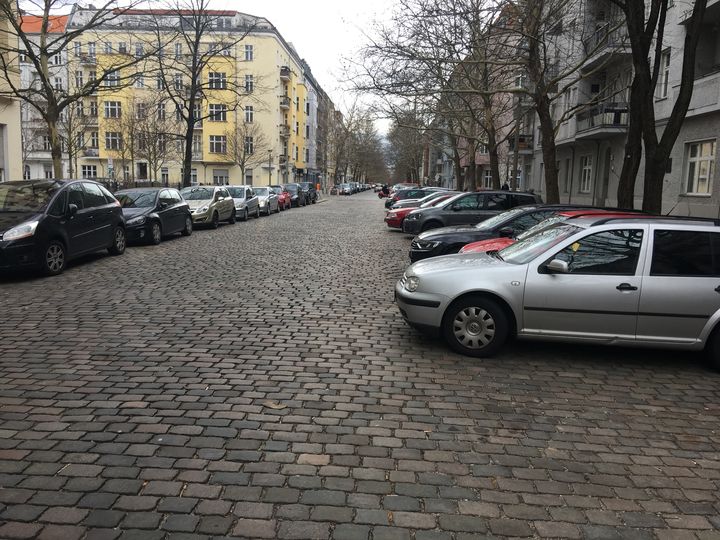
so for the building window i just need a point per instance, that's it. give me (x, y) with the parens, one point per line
(248, 53)
(221, 177)
(122, 47)
(307, 155)
(297, 128)
(218, 112)
(178, 51)
(218, 144)
(161, 111)
(178, 82)
(48, 173)
(217, 81)
(249, 177)
(113, 109)
(58, 83)
(57, 59)
(139, 50)
(307, 132)
(249, 84)
(249, 114)
(113, 140)
(26, 172)
(139, 81)
(94, 139)
(77, 47)
(585, 174)
(141, 111)
(249, 145)
(46, 143)
(700, 167)
(664, 79)
(108, 47)
(93, 108)
(159, 82)
(487, 179)
(91, 49)
(79, 79)
(88, 171)
(161, 142)
(197, 146)
(165, 175)
(112, 79)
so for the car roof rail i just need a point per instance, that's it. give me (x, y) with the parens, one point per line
(662, 219)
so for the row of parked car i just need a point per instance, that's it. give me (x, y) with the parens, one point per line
(46, 223)
(349, 188)
(497, 268)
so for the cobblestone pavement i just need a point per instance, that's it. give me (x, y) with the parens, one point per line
(258, 382)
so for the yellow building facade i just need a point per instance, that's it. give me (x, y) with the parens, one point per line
(252, 104)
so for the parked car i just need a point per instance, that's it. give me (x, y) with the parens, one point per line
(345, 189)
(616, 281)
(283, 196)
(151, 213)
(46, 223)
(311, 194)
(245, 201)
(267, 200)
(210, 205)
(414, 203)
(495, 244)
(448, 240)
(334, 190)
(395, 218)
(466, 209)
(297, 197)
(410, 193)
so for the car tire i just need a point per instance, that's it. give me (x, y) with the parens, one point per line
(268, 210)
(55, 258)
(188, 229)
(430, 225)
(119, 242)
(215, 220)
(475, 326)
(277, 209)
(233, 218)
(245, 215)
(155, 233)
(712, 350)
(257, 212)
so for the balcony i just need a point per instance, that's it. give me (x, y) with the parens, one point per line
(284, 131)
(525, 144)
(285, 73)
(88, 59)
(602, 120)
(605, 44)
(91, 152)
(283, 159)
(284, 102)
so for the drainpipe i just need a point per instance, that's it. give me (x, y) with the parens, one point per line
(572, 174)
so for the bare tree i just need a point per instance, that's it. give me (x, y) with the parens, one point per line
(248, 146)
(159, 133)
(48, 52)
(72, 128)
(646, 29)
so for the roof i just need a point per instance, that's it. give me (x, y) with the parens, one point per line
(32, 24)
(175, 12)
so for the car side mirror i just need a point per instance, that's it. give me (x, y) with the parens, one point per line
(456, 208)
(72, 209)
(506, 232)
(162, 206)
(556, 266)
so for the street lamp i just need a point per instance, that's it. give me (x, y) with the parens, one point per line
(269, 167)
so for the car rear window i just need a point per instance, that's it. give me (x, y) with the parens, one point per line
(685, 253)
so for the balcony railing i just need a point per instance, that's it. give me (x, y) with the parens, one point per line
(91, 152)
(284, 102)
(608, 35)
(603, 115)
(284, 131)
(285, 73)
(282, 159)
(525, 142)
(88, 59)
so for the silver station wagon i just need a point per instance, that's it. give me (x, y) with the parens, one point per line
(616, 281)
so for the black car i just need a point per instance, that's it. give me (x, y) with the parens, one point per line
(311, 194)
(297, 196)
(448, 240)
(45, 223)
(151, 213)
(466, 209)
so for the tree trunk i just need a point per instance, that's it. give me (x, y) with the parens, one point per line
(55, 146)
(470, 175)
(547, 136)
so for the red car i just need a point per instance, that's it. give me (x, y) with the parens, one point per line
(284, 201)
(495, 244)
(394, 218)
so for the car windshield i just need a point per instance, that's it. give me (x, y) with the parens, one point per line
(277, 189)
(236, 192)
(544, 224)
(526, 250)
(136, 199)
(306, 185)
(262, 191)
(291, 188)
(30, 197)
(498, 219)
(197, 193)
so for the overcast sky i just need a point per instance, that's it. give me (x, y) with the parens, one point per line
(322, 31)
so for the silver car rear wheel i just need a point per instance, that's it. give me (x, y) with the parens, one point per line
(475, 326)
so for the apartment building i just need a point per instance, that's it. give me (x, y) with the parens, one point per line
(255, 113)
(590, 144)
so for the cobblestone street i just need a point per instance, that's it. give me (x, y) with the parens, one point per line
(258, 382)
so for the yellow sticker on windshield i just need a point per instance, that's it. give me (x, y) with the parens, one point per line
(575, 246)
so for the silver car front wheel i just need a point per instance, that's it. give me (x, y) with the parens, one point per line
(475, 326)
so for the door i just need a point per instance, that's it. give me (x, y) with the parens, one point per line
(102, 216)
(179, 209)
(167, 212)
(599, 296)
(464, 210)
(226, 204)
(682, 288)
(79, 226)
(251, 201)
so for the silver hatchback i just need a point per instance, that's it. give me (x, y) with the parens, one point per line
(615, 281)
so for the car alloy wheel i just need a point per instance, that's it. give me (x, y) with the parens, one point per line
(475, 326)
(245, 215)
(187, 231)
(155, 233)
(119, 242)
(257, 212)
(215, 220)
(232, 219)
(54, 259)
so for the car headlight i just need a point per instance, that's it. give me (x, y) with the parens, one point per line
(263, 203)
(202, 210)
(426, 244)
(24, 230)
(391, 215)
(414, 216)
(137, 221)
(412, 283)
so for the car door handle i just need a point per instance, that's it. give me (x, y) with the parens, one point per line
(626, 287)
